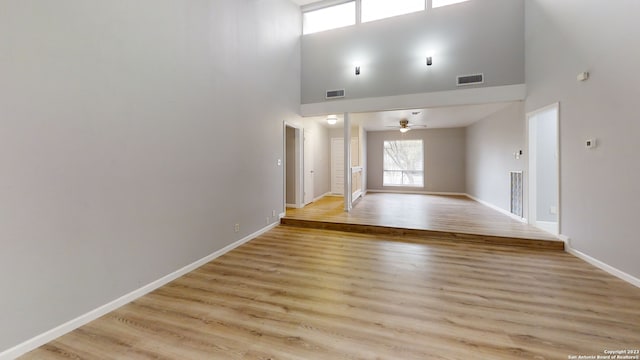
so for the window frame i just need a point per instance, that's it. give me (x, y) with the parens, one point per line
(403, 171)
(326, 6)
(362, 7)
(453, 2)
(428, 6)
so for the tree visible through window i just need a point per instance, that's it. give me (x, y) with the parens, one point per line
(403, 163)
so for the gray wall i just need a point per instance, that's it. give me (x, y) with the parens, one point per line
(133, 135)
(478, 36)
(491, 143)
(444, 159)
(600, 201)
(546, 166)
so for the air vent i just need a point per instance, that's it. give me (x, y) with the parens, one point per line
(470, 79)
(335, 94)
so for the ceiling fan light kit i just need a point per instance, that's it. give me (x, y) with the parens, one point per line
(405, 126)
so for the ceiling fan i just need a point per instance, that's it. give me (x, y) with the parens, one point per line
(405, 126)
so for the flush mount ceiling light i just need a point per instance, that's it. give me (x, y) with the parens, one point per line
(332, 119)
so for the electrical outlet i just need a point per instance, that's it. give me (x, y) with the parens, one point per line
(553, 210)
(273, 213)
(236, 227)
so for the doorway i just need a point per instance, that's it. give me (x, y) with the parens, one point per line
(544, 168)
(293, 180)
(309, 172)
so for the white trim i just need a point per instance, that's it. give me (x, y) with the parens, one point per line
(499, 209)
(601, 265)
(548, 226)
(543, 109)
(566, 240)
(413, 192)
(298, 166)
(81, 320)
(481, 95)
(292, 206)
(531, 178)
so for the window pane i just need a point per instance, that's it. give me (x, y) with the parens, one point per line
(403, 163)
(380, 9)
(439, 3)
(329, 18)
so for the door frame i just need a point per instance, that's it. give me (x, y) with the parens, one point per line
(299, 168)
(531, 179)
(308, 195)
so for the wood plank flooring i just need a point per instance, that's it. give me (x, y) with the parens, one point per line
(431, 214)
(297, 293)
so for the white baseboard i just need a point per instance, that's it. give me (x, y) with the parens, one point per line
(414, 192)
(608, 268)
(71, 325)
(496, 208)
(548, 226)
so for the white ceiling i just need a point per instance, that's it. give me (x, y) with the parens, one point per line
(433, 118)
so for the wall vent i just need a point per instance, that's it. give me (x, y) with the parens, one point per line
(463, 80)
(334, 94)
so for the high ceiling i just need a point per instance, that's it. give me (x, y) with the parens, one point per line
(440, 117)
(303, 2)
(433, 118)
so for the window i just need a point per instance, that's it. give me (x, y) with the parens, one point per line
(331, 17)
(439, 3)
(403, 163)
(380, 9)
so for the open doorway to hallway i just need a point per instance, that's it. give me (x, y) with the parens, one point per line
(293, 173)
(544, 168)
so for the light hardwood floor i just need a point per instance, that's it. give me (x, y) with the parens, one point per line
(435, 215)
(297, 293)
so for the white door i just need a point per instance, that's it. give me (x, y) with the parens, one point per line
(308, 167)
(544, 169)
(337, 166)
